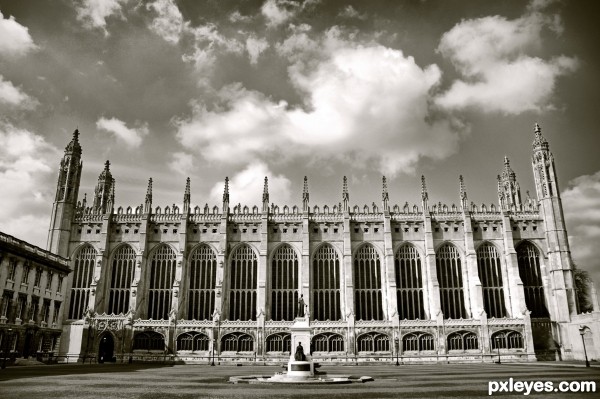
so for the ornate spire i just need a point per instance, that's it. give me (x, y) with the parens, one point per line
(539, 141)
(509, 193)
(463, 192)
(265, 196)
(424, 195)
(226, 196)
(74, 147)
(305, 195)
(148, 200)
(104, 192)
(345, 195)
(385, 196)
(186, 197)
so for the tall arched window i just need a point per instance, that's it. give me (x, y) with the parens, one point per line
(531, 276)
(83, 270)
(490, 274)
(326, 282)
(284, 284)
(367, 284)
(162, 274)
(243, 282)
(203, 272)
(121, 279)
(449, 273)
(409, 284)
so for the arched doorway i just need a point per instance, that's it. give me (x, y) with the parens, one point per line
(106, 349)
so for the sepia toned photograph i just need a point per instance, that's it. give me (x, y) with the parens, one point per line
(299, 198)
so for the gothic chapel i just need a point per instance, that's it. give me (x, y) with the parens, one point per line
(425, 282)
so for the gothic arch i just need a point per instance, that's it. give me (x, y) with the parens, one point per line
(507, 339)
(499, 248)
(157, 246)
(201, 275)
(418, 341)
(161, 276)
(122, 271)
(238, 245)
(373, 341)
(368, 282)
(408, 272)
(373, 245)
(279, 342)
(489, 268)
(327, 342)
(462, 341)
(80, 246)
(192, 341)
(284, 284)
(243, 282)
(325, 272)
(529, 260)
(148, 340)
(84, 262)
(237, 342)
(451, 276)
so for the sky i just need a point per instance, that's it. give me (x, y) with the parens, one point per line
(169, 89)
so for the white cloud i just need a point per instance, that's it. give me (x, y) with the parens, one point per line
(14, 97)
(499, 75)
(182, 163)
(581, 204)
(254, 47)
(277, 12)
(93, 13)
(169, 23)
(246, 187)
(351, 12)
(131, 137)
(363, 104)
(14, 38)
(27, 166)
(236, 16)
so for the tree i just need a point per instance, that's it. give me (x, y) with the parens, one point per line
(582, 280)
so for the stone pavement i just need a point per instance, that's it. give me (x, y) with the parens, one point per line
(150, 381)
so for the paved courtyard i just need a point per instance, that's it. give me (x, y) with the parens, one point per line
(201, 381)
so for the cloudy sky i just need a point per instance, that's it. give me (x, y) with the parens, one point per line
(169, 89)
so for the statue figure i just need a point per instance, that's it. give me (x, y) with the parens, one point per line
(299, 355)
(301, 306)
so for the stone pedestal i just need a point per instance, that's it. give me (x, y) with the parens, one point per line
(300, 336)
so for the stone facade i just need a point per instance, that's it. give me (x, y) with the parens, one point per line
(33, 286)
(409, 283)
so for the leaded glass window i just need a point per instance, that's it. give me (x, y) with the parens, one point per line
(203, 272)
(490, 275)
(123, 265)
(367, 284)
(326, 284)
(162, 274)
(449, 273)
(243, 284)
(284, 284)
(83, 270)
(409, 284)
(531, 276)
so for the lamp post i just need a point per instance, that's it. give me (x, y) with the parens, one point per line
(397, 342)
(582, 333)
(498, 347)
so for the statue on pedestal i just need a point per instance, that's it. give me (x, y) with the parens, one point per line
(301, 306)
(299, 355)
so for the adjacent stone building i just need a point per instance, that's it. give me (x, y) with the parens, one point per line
(33, 283)
(424, 282)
